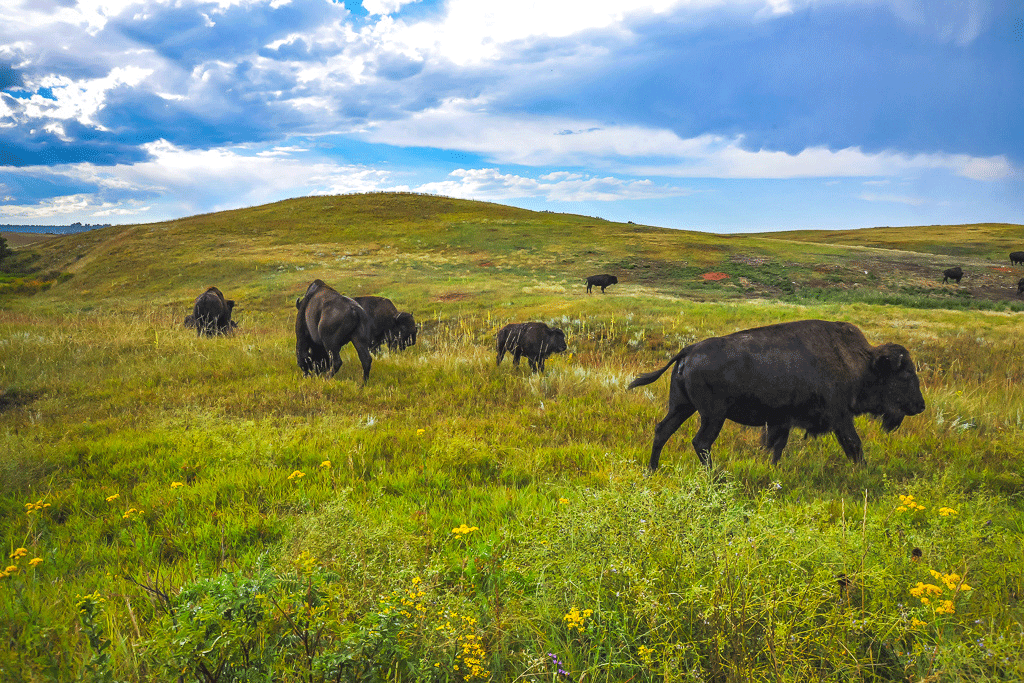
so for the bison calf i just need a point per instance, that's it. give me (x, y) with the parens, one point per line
(601, 281)
(1017, 258)
(396, 328)
(812, 374)
(956, 273)
(325, 322)
(536, 341)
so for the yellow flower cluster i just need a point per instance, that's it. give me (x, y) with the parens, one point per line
(916, 623)
(111, 499)
(954, 582)
(176, 484)
(908, 503)
(325, 465)
(646, 655)
(576, 619)
(472, 654)
(129, 511)
(563, 501)
(297, 474)
(462, 530)
(35, 507)
(926, 591)
(16, 556)
(946, 512)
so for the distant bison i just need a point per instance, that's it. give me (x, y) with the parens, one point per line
(536, 341)
(955, 273)
(1017, 258)
(812, 374)
(389, 325)
(601, 281)
(211, 313)
(325, 322)
(1020, 286)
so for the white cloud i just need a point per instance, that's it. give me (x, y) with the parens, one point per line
(893, 198)
(381, 7)
(640, 151)
(79, 100)
(491, 184)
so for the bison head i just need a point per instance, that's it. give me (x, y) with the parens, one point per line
(892, 390)
(405, 328)
(556, 341)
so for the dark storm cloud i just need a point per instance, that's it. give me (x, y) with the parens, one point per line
(831, 76)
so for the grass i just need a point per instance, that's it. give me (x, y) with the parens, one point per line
(154, 473)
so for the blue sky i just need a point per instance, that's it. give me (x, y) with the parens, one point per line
(717, 115)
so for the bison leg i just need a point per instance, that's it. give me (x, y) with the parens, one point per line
(846, 434)
(774, 439)
(501, 354)
(589, 285)
(710, 426)
(365, 359)
(677, 415)
(515, 357)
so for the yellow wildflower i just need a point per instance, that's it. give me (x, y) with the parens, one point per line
(111, 499)
(11, 569)
(35, 560)
(946, 512)
(18, 554)
(419, 432)
(462, 530)
(916, 623)
(176, 484)
(563, 501)
(297, 474)
(326, 465)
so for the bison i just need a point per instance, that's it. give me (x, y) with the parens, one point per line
(211, 313)
(812, 374)
(325, 322)
(1020, 286)
(396, 328)
(601, 281)
(1017, 258)
(955, 273)
(536, 341)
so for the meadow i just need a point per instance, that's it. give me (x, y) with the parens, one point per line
(193, 509)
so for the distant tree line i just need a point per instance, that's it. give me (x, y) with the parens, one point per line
(74, 227)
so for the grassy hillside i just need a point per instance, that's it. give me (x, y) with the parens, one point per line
(199, 509)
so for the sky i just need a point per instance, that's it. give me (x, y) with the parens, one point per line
(713, 115)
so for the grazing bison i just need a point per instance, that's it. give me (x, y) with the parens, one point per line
(396, 328)
(211, 313)
(536, 341)
(601, 281)
(1020, 286)
(955, 273)
(1017, 258)
(811, 374)
(325, 322)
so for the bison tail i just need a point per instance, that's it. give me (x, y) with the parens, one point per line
(649, 377)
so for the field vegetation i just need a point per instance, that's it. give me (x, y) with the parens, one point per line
(183, 508)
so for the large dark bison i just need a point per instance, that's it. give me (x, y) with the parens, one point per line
(396, 328)
(601, 281)
(1020, 286)
(536, 341)
(211, 313)
(954, 273)
(812, 374)
(325, 322)
(1017, 258)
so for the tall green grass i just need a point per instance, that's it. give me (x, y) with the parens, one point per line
(201, 511)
